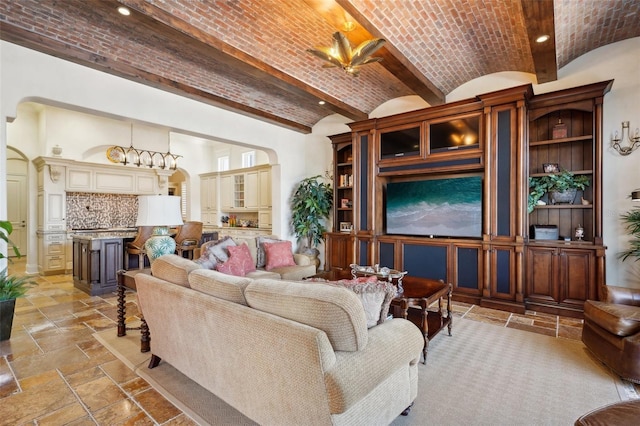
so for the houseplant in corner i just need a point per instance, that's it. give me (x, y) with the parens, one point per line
(632, 223)
(561, 187)
(310, 207)
(11, 287)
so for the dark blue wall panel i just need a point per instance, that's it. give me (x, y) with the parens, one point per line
(467, 267)
(386, 255)
(426, 261)
(364, 183)
(504, 172)
(503, 274)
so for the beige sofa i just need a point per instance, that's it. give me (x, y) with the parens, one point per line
(281, 352)
(303, 265)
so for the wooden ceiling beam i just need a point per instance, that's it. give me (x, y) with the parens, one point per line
(393, 60)
(242, 61)
(22, 37)
(538, 17)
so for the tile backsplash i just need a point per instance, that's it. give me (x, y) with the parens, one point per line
(88, 211)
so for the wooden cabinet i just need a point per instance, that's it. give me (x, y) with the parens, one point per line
(343, 200)
(511, 134)
(559, 279)
(95, 264)
(565, 130)
(209, 199)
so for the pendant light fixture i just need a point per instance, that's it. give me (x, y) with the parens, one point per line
(341, 55)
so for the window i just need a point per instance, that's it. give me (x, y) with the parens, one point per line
(249, 159)
(223, 163)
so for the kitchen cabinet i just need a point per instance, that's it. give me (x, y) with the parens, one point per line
(226, 193)
(245, 191)
(209, 199)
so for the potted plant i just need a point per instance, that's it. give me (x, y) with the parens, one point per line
(310, 207)
(632, 223)
(11, 287)
(561, 187)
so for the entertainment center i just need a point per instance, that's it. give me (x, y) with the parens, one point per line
(442, 193)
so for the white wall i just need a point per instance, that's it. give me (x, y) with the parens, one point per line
(28, 75)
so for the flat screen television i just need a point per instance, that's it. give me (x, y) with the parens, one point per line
(400, 143)
(439, 207)
(461, 133)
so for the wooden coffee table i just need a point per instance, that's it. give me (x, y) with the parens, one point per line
(413, 304)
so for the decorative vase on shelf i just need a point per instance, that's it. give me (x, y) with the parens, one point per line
(563, 197)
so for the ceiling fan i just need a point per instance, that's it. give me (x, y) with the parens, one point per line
(341, 55)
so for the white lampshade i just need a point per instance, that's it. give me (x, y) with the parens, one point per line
(158, 210)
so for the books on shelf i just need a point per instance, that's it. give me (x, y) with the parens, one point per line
(345, 180)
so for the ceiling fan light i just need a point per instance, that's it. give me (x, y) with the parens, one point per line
(341, 54)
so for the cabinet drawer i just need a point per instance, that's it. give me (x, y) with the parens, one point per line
(55, 248)
(55, 238)
(55, 262)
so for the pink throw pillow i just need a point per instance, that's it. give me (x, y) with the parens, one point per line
(278, 254)
(239, 263)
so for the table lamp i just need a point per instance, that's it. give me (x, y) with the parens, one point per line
(161, 211)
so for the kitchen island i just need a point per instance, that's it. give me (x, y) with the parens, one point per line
(97, 258)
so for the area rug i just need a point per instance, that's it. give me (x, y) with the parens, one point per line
(482, 375)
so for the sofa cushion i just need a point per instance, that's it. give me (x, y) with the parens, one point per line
(621, 320)
(375, 296)
(261, 273)
(239, 263)
(334, 310)
(173, 268)
(295, 273)
(219, 285)
(278, 254)
(260, 256)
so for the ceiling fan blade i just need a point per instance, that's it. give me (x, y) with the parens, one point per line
(342, 47)
(366, 49)
(324, 53)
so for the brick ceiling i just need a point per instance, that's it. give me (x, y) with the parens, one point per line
(250, 56)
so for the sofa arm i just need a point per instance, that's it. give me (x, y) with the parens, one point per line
(621, 295)
(301, 259)
(392, 345)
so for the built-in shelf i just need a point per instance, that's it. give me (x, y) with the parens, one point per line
(561, 140)
(575, 172)
(565, 206)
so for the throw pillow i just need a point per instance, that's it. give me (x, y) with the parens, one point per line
(219, 249)
(375, 296)
(207, 259)
(239, 263)
(278, 254)
(261, 256)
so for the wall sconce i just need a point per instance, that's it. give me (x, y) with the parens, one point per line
(633, 142)
(635, 195)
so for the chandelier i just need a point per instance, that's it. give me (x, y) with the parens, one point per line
(143, 157)
(341, 55)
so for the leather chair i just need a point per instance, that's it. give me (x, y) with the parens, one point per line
(611, 330)
(188, 238)
(136, 247)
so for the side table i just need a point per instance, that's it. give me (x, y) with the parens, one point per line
(126, 279)
(413, 304)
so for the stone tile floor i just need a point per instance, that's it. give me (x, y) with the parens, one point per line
(53, 372)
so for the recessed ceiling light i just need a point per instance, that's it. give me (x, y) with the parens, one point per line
(321, 102)
(124, 11)
(542, 38)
